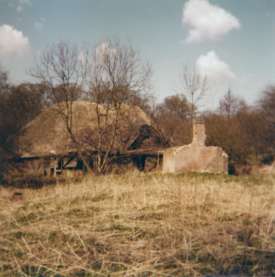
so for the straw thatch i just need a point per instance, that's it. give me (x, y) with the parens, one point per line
(47, 134)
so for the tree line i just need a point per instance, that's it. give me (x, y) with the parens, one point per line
(245, 132)
(113, 74)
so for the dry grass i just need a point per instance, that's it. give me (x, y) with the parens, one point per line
(143, 225)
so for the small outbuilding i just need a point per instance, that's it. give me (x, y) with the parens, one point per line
(195, 157)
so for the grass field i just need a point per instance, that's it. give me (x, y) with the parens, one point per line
(141, 225)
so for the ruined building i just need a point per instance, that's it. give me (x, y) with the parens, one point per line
(195, 157)
(45, 147)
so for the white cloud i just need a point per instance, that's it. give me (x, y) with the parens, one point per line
(213, 68)
(206, 21)
(12, 41)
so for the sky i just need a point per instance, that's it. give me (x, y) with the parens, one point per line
(231, 42)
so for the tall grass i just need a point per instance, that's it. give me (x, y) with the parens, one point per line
(141, 225)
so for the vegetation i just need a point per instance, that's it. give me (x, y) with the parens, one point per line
(248, 137)
(113, 74)
(140, 225)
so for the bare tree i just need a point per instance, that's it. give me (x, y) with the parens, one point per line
(63, 69)
(114, 75)
(194, 88)
(173, 118)
(18, 105)
(118, 77)
(3, 80)
(230, 104)
(267, 108)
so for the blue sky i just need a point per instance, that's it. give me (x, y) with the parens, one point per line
(232, 41)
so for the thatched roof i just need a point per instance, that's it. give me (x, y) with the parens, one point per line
(47, 134)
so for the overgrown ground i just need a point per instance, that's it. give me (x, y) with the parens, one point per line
(141, 225)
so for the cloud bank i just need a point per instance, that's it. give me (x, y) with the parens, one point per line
(213, 68)
(12, 41)
(206, 21)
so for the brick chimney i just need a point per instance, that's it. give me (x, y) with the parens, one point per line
(199, 136)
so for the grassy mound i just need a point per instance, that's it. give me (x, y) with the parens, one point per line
(141, 225)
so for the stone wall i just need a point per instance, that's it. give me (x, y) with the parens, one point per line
(195, 157)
